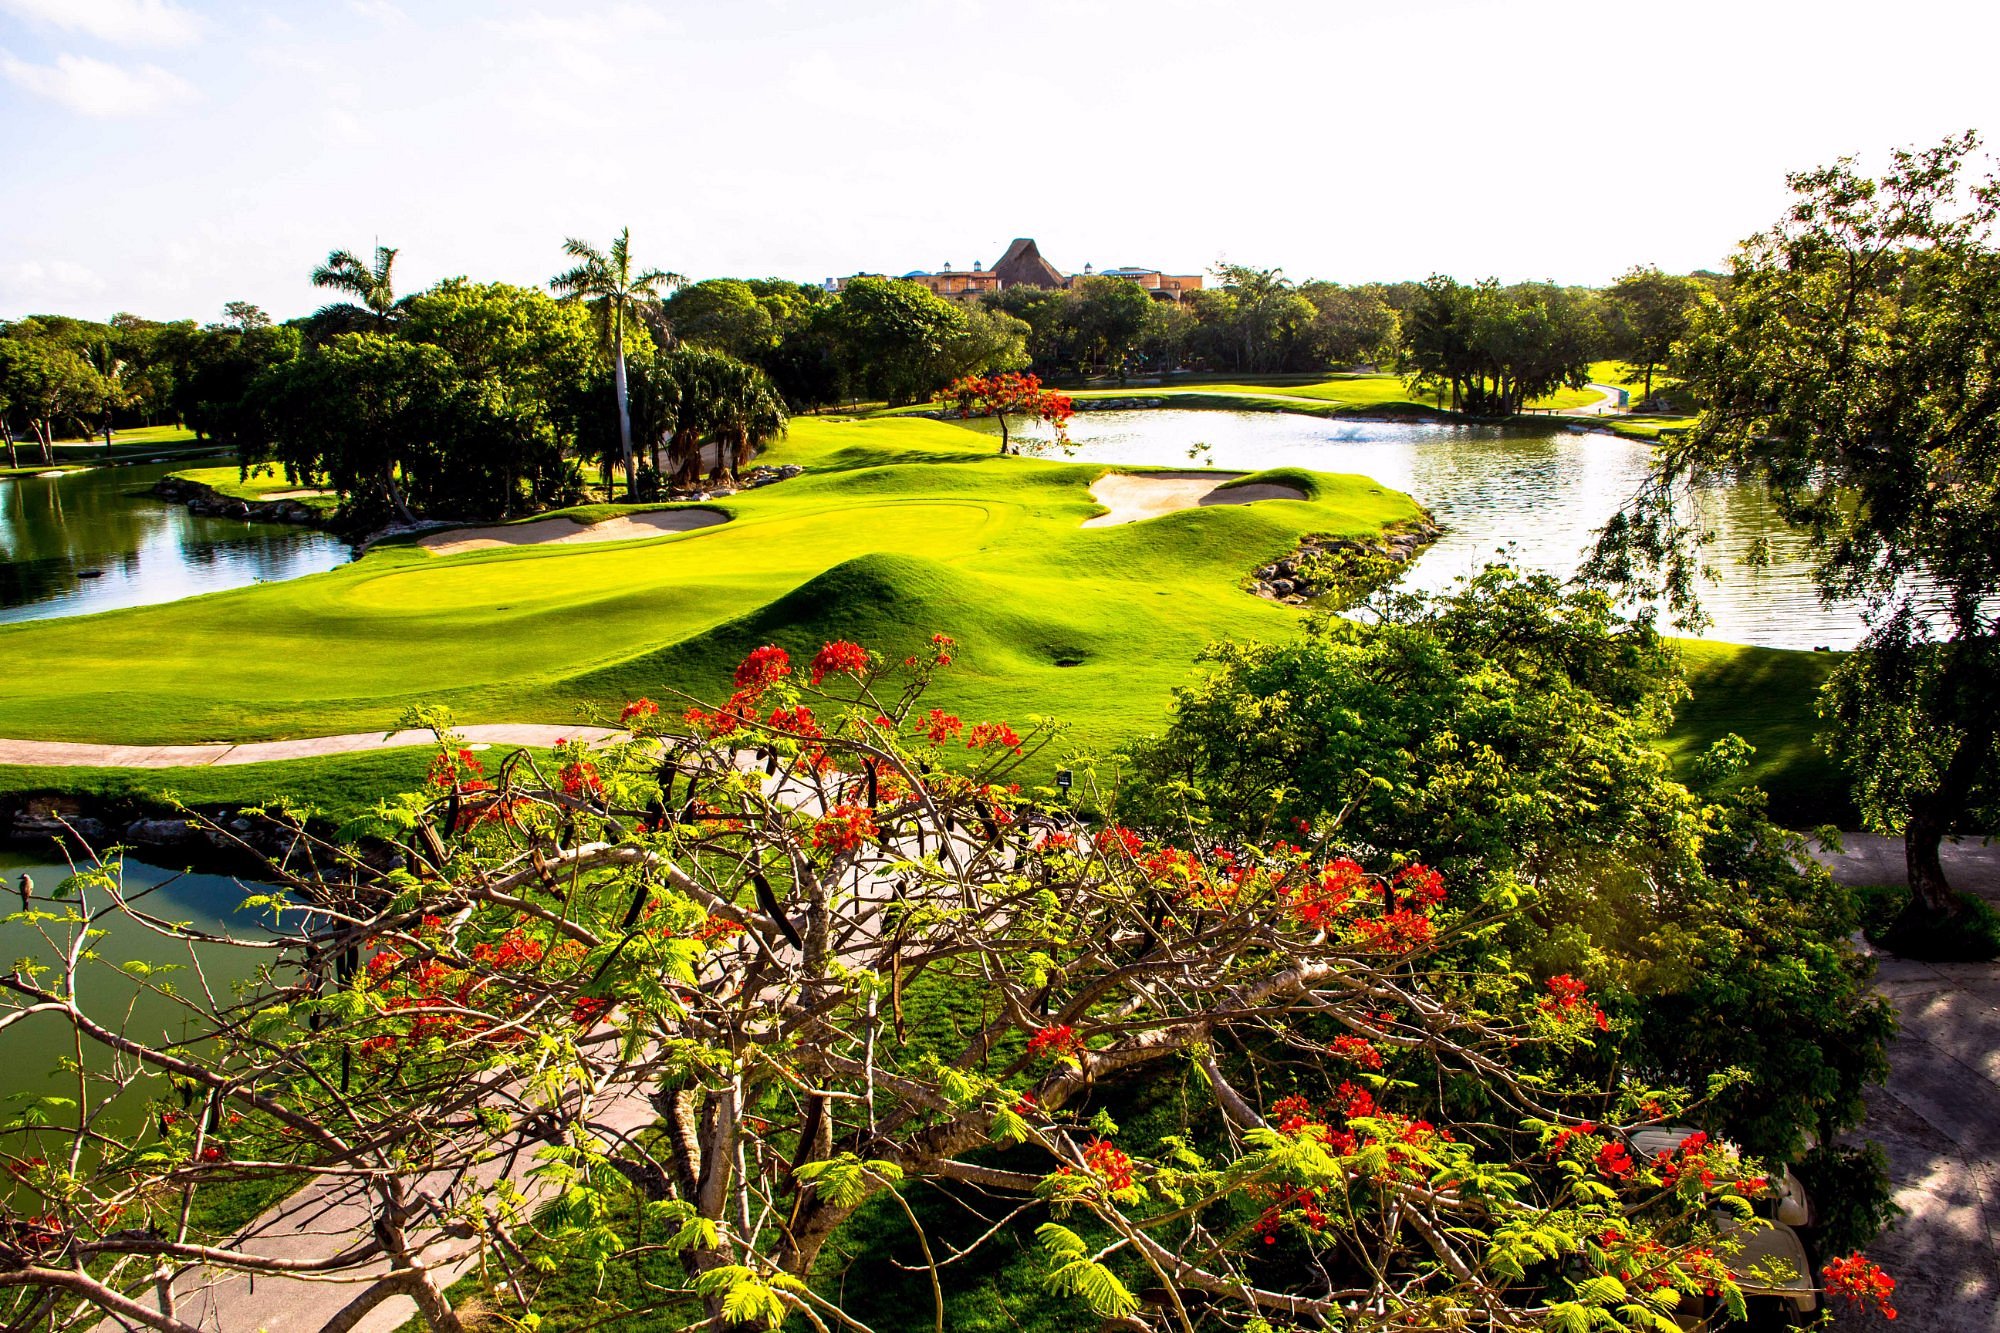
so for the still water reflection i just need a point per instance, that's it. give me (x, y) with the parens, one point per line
(37, 1048)
(1540, 492)
(96, 540)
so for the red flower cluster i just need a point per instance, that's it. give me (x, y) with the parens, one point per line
(1356, 1050)
(940, 726)
(1318, 902)
(844, 828)
(639, 709)
(993, 733)
(579, 779)
(1112, 1166)
(1115, 837)
(1400, 931)
(514, 950)
(1567, 996)
(1419, 886)
(941, 646)
(458, 768)
(838, 657)
(796, 722)
(1614, 1161)
(763, 667)
(1860, 1281)
(1059, 1040)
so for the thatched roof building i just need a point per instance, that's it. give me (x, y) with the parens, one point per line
(1023, 265)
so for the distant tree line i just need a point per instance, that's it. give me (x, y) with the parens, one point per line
(479, 399)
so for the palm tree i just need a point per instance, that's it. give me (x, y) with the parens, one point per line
(606, 279)
(371, 285)
(748, 413)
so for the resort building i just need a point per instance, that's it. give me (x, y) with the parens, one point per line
(1024, 266)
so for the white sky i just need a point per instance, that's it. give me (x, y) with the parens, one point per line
(165, 156)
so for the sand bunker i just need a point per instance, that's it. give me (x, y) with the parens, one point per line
(293, 495)
(1132, 497)
(563, 532)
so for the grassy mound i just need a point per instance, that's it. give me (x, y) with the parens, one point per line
(1971, 934)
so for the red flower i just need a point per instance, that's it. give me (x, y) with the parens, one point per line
(1116, 837)
(1419, 885)
(844, 828)
(639, 708)
(579, 778)
(839, 656)
(1614, 1161)
(1353, 1102)
(588, 1009)
(1858, 1280)
(993, 733)
(762, 667)
(1358, 1050)
(1061, 1039)
(1110, 1164)
(1400, 931)
(940, 726)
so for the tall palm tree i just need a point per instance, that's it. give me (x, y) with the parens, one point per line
(605, 278)
(371, 285)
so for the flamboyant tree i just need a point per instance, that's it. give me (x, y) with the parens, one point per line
(738, 993)
(1009, 394)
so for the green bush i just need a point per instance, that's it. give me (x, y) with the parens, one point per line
(1849, 1187)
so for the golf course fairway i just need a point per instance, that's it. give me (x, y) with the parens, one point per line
(899, 528)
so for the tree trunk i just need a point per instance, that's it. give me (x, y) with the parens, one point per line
(44, 433)
(1647, 396)
(396, 500)
(7, 433)
(624, 403)
(1003, 430)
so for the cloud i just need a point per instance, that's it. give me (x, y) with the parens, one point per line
(96, 88)
(129, 22)
(32, 284)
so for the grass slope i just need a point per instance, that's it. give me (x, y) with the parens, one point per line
(900, 528)
(1766, 696)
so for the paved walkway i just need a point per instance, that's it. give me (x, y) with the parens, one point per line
(1604, 406)
(71, 754)
(1939, 1116)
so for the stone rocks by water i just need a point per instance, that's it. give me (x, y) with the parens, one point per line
(211, 503)
(1324, 565)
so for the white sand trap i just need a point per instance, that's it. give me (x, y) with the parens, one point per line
(292, 495)
(563, 532)
(1134, 497)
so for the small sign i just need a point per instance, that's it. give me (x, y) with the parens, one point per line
(1063, 778)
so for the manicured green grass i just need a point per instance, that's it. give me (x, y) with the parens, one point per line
(341, 787)
(901, 528)
(1766, 696)
(263, 483)
(129, 440)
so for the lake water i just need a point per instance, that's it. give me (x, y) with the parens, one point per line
(37, 1046)
(93, 541)
(96, 540)
(1541, 493)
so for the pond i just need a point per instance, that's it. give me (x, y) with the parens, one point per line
(1540, 492)
(97, 540)
(37, 1047)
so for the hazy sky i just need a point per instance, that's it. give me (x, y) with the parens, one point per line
(164, 156)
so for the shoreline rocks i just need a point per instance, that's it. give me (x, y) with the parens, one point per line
(210, 503)
(1322, 564)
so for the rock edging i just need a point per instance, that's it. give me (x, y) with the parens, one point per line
(1321, 564)
(201, 498)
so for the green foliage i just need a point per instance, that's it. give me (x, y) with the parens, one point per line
(1075, 1272)
(1496, 348)
(1850, 1191)
(1504, 734)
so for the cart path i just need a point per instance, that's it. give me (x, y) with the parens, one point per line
(216, 754)
(1936, 1117)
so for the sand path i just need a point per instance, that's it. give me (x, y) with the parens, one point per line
(1134, 497)
(565, 532)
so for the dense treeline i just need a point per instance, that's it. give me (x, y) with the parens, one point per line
(481, 399)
